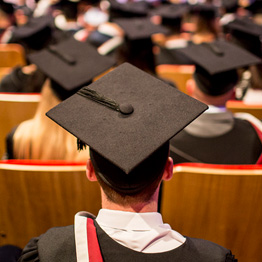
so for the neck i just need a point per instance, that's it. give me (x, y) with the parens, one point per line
(141, 207)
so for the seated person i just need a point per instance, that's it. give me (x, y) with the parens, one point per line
(129, 116)
(170, 16)
(246, 34)
(34, 36)
(68, 66)
(217, 136)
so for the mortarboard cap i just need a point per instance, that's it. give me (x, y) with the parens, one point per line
(125, 116)
(129, 9)
(35, 34)
(230, 6)
(171, 14)
(207, 11)
(216, 64)
(71, 64)
(247, 34)
(139, 28)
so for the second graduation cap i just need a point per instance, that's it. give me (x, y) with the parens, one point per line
(216, 63)
(125, 116)
(71, 64)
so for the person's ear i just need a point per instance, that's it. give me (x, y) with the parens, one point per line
(90, 172)
(168, 172)
(190, 86)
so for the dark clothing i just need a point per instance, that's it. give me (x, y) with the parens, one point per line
(58, 244)
(9, 154)
(240, 144)
(10, 253)
(18, 82)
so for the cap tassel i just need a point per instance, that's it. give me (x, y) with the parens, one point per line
(81, 145)
(125, 109)
(93, 95)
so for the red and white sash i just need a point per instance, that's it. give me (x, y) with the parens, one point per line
(87, 246)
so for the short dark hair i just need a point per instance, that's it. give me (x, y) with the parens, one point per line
(141, 182)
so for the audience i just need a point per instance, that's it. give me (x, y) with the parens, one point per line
(64, 42)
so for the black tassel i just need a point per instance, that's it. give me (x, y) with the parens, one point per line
(93, 95)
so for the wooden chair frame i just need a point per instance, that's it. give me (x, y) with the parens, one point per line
(38, 195)
(220, 203)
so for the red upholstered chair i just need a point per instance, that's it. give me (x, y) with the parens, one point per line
(220, 203)
(37, 195)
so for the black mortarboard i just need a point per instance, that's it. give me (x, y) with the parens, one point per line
(139, 28)
(171, 14)
(35, 34)
(129, 9)
(216, 64)
(230, 6)
(247, 34)
(206, 11)
(125, 116)
(71, 64)
(137, 48)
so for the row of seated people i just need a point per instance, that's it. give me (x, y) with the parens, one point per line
(200, 77)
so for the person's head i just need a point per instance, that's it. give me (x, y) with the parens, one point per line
(139, 186)
(216, 67)
(203, 94)
(127, 118)
(205, 18)
(69, 65)
(137, 48)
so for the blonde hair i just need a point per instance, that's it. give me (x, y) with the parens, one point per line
(41, 138)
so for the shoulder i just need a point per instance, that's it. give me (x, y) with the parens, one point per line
(57, 244)
(209, 251)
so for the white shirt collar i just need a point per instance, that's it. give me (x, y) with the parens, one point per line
(129, 220)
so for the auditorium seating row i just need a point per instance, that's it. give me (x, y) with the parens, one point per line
(221, 203)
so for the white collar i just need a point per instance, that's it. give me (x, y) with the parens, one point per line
(128, 220)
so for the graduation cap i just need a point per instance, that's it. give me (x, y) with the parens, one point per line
(171, 14)
(139, 28)
(230, 6)
(128, 10)
(245, 33)
(35, 34)
(216, 65)
(70, 65)
(126, 116)
(137, 47)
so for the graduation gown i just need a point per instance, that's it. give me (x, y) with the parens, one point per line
(58, 244)
(217, 138)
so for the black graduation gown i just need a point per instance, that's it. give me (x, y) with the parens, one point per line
(241, 145)
(58, 244)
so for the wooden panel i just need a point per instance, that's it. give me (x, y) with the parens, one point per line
(178, 74)
(14, 109)
(239, 106)
(33, 201)
(223, 208)
(12, 55)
